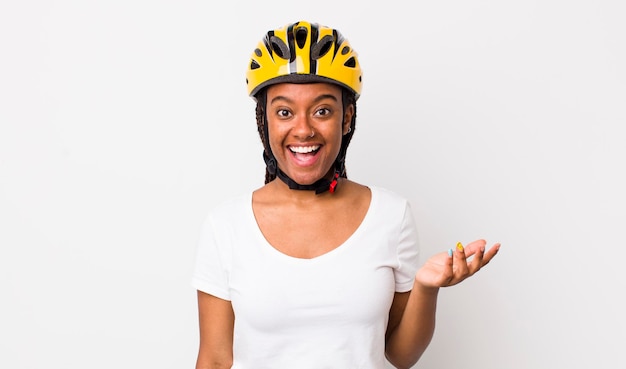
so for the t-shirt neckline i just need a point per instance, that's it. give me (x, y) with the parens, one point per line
(267, 246)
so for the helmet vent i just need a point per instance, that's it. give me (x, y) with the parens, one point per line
(301, 35)
(279, 47)
(258, 52)
(344, 51)
(351, 63)
(254, 65)
(321, 47)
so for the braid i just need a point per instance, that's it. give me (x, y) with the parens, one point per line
(260, 125)
(348, 98)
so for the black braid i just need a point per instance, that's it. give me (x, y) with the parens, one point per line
(348, 98)
(260, 124)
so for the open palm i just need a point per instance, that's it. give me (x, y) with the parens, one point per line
(443, 269)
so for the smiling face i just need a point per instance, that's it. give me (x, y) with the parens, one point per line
(306, 123)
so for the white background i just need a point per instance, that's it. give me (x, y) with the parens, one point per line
(123, 122)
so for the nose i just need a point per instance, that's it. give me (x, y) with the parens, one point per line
(303, 127)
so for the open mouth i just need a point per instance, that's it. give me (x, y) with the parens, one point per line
(305, 155)
(304, 149)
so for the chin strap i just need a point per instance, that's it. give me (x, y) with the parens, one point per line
(320, 186)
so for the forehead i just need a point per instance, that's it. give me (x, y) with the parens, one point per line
(303, 91)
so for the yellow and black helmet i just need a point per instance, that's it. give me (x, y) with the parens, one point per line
(303, 52)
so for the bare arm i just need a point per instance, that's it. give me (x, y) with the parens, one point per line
(216, 320)
(414, 313)
(412, 316)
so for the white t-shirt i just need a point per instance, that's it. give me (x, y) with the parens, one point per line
(327, 312)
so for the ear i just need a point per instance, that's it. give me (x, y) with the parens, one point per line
(347, 119)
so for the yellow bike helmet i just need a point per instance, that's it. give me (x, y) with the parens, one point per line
(303, 52)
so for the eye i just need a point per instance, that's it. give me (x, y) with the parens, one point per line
(322, 112)
(283, 113)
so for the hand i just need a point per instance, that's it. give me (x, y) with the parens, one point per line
(443, 270)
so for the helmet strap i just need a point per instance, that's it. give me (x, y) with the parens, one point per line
(320, 186)
(270, 162)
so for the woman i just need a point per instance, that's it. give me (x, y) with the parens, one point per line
(313, 270)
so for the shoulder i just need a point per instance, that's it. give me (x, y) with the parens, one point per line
(381, 197)
(388, 197)
(229, 209)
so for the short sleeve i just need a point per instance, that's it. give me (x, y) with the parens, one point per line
(407, 252)
(211, 273)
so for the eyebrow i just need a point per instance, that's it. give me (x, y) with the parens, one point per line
(317, 99)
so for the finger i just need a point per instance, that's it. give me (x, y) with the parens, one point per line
(450, 260)
(460, 262)
(474, 246)
(489, 254)
(477, 262)
(448, 273)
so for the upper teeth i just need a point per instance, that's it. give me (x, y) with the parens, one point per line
(304, 149)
